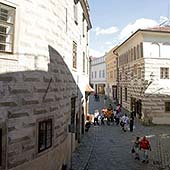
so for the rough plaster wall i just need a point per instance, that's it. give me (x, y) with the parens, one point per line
(23, 102)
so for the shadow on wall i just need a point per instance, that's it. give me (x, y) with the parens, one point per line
(29, 97)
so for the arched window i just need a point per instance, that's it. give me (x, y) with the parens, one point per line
(165, 51)
(155, 50)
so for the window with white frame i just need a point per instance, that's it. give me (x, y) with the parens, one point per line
(99, 73)
(83, 26)
(155, 53)
(95, 74)
(165, 52)
(76, 12)
(164, 73)
(7, 17)
(103, 74)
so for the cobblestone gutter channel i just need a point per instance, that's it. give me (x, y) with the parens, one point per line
(82, 154)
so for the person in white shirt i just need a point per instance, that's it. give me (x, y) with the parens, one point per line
(124, 122)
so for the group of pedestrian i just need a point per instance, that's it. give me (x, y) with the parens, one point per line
(124, 121)
(142, 146)
(105, 114)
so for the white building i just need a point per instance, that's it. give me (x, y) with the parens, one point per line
(144, 74)
(44, 56)
(98, 75)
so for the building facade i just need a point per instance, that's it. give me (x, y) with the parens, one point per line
(44, 58)
(111, 72)
(98, 75)
(144, 74)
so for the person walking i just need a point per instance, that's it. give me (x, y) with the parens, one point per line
(131, 122)
(136, 147)
(124, 122)
(96, 116)
(102, 118)
(145, 147)
(118, 114)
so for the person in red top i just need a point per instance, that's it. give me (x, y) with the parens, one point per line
(145, 147)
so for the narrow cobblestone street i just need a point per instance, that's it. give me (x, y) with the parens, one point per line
(108, 147)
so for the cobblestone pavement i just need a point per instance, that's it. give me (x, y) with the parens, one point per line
(108, 148)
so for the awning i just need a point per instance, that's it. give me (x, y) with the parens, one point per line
(88, 88)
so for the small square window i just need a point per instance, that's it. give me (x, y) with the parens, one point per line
(167, 106)
(164, 73)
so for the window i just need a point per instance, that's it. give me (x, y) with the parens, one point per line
(74, 55)
(167, 106)
(92, 75)
(84, 62)
(44, 135)
(76, 13)
(165, 52)
(87, 65)
(155, 53)
(125, 94)
(134, 53)
(164, 73)
(103, 74)
(66, 19)
(100, 74)
(7, 15)
(141, 50)
(138, 52)
(95, 74)
(83, 26)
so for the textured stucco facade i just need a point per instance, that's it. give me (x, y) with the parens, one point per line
(141, 86)
(38, 81)
(111, 69)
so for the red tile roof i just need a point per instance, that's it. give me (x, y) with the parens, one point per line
(159, 28)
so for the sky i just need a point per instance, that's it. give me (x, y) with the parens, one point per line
(115, 20)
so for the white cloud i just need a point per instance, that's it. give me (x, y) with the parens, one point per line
(108, 43)
(103, 31)
(132, 27)
(95, 53)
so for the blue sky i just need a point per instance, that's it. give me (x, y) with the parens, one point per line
(114, 20)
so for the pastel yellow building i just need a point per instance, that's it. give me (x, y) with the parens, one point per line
(111, 70)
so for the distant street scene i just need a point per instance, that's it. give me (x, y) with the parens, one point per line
(84, 85)
(108, 147)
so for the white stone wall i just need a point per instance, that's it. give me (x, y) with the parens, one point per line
(155, 55)
(98, 65)
(40, 25)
